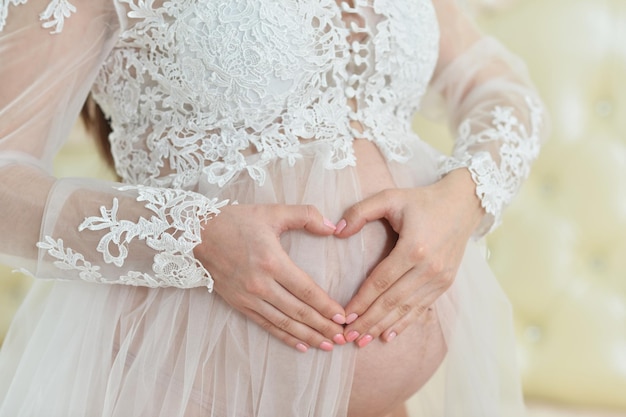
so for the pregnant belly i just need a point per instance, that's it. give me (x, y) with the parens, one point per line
(386, 374)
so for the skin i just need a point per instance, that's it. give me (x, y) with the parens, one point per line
(433, 225)
(416, 238)
(396, 367)
(243, 244)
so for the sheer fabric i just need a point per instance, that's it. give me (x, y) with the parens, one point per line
(499, 124)
(46, 78)
(218, 101)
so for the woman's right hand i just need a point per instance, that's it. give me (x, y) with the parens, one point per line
(253, 273)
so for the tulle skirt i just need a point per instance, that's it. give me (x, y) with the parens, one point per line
(78, 349)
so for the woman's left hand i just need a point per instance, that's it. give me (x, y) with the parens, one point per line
(434, 224)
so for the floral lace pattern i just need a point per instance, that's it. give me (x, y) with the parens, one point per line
(261, 77)
(205, 90)
(497, 183)
(53, 16)
(173, 230)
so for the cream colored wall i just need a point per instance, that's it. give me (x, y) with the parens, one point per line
(561, 252)
(79, 157)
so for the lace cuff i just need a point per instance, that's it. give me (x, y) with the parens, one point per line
(498, 174)
(165, 235)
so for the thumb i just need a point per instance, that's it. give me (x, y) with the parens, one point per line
(375, 207)
(307, 217)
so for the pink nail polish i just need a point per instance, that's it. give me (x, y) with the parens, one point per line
(340, 226)
(339, 319)
(391, 336)
(339, 339)
(329, 224)
(352, 336)
(364, 341)
(301, 347)
(327, 346)
(351, 317)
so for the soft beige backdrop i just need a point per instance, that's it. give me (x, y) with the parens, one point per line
(561, 252)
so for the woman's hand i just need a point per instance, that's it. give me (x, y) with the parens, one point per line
(242, 251)
(434, 224)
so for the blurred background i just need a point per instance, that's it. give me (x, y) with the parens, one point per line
(560, 253)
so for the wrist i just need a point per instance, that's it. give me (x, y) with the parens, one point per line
(463, 189)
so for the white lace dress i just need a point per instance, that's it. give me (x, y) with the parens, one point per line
(221, 101)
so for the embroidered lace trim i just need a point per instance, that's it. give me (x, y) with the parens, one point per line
(264, 79)
(497, 183)
(53, 17)
(173, 231)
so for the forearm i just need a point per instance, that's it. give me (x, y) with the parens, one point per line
(108, 233)
(496, 115)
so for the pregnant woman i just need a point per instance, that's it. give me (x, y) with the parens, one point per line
(264, 151)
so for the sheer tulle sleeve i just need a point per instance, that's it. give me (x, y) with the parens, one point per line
(50, 52)
(497, 116)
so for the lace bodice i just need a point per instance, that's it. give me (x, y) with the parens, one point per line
(192, 87)
(206, 90)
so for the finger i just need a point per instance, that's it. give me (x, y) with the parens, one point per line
(304, 300)
(375, 207)
(396, 323)
(306, 315)
(282, 335)
(369, 325)
(382, 277)
(287, 329)
(306, 217)
(394, 306)
(401, 325)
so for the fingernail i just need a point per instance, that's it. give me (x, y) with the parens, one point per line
(339, 318)
(340, 226)
(364, 341)
(301, 348)
(352, 335)
(330, 224)
(327, 346)
(391, 336)
(339, 339)
(351, 317)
